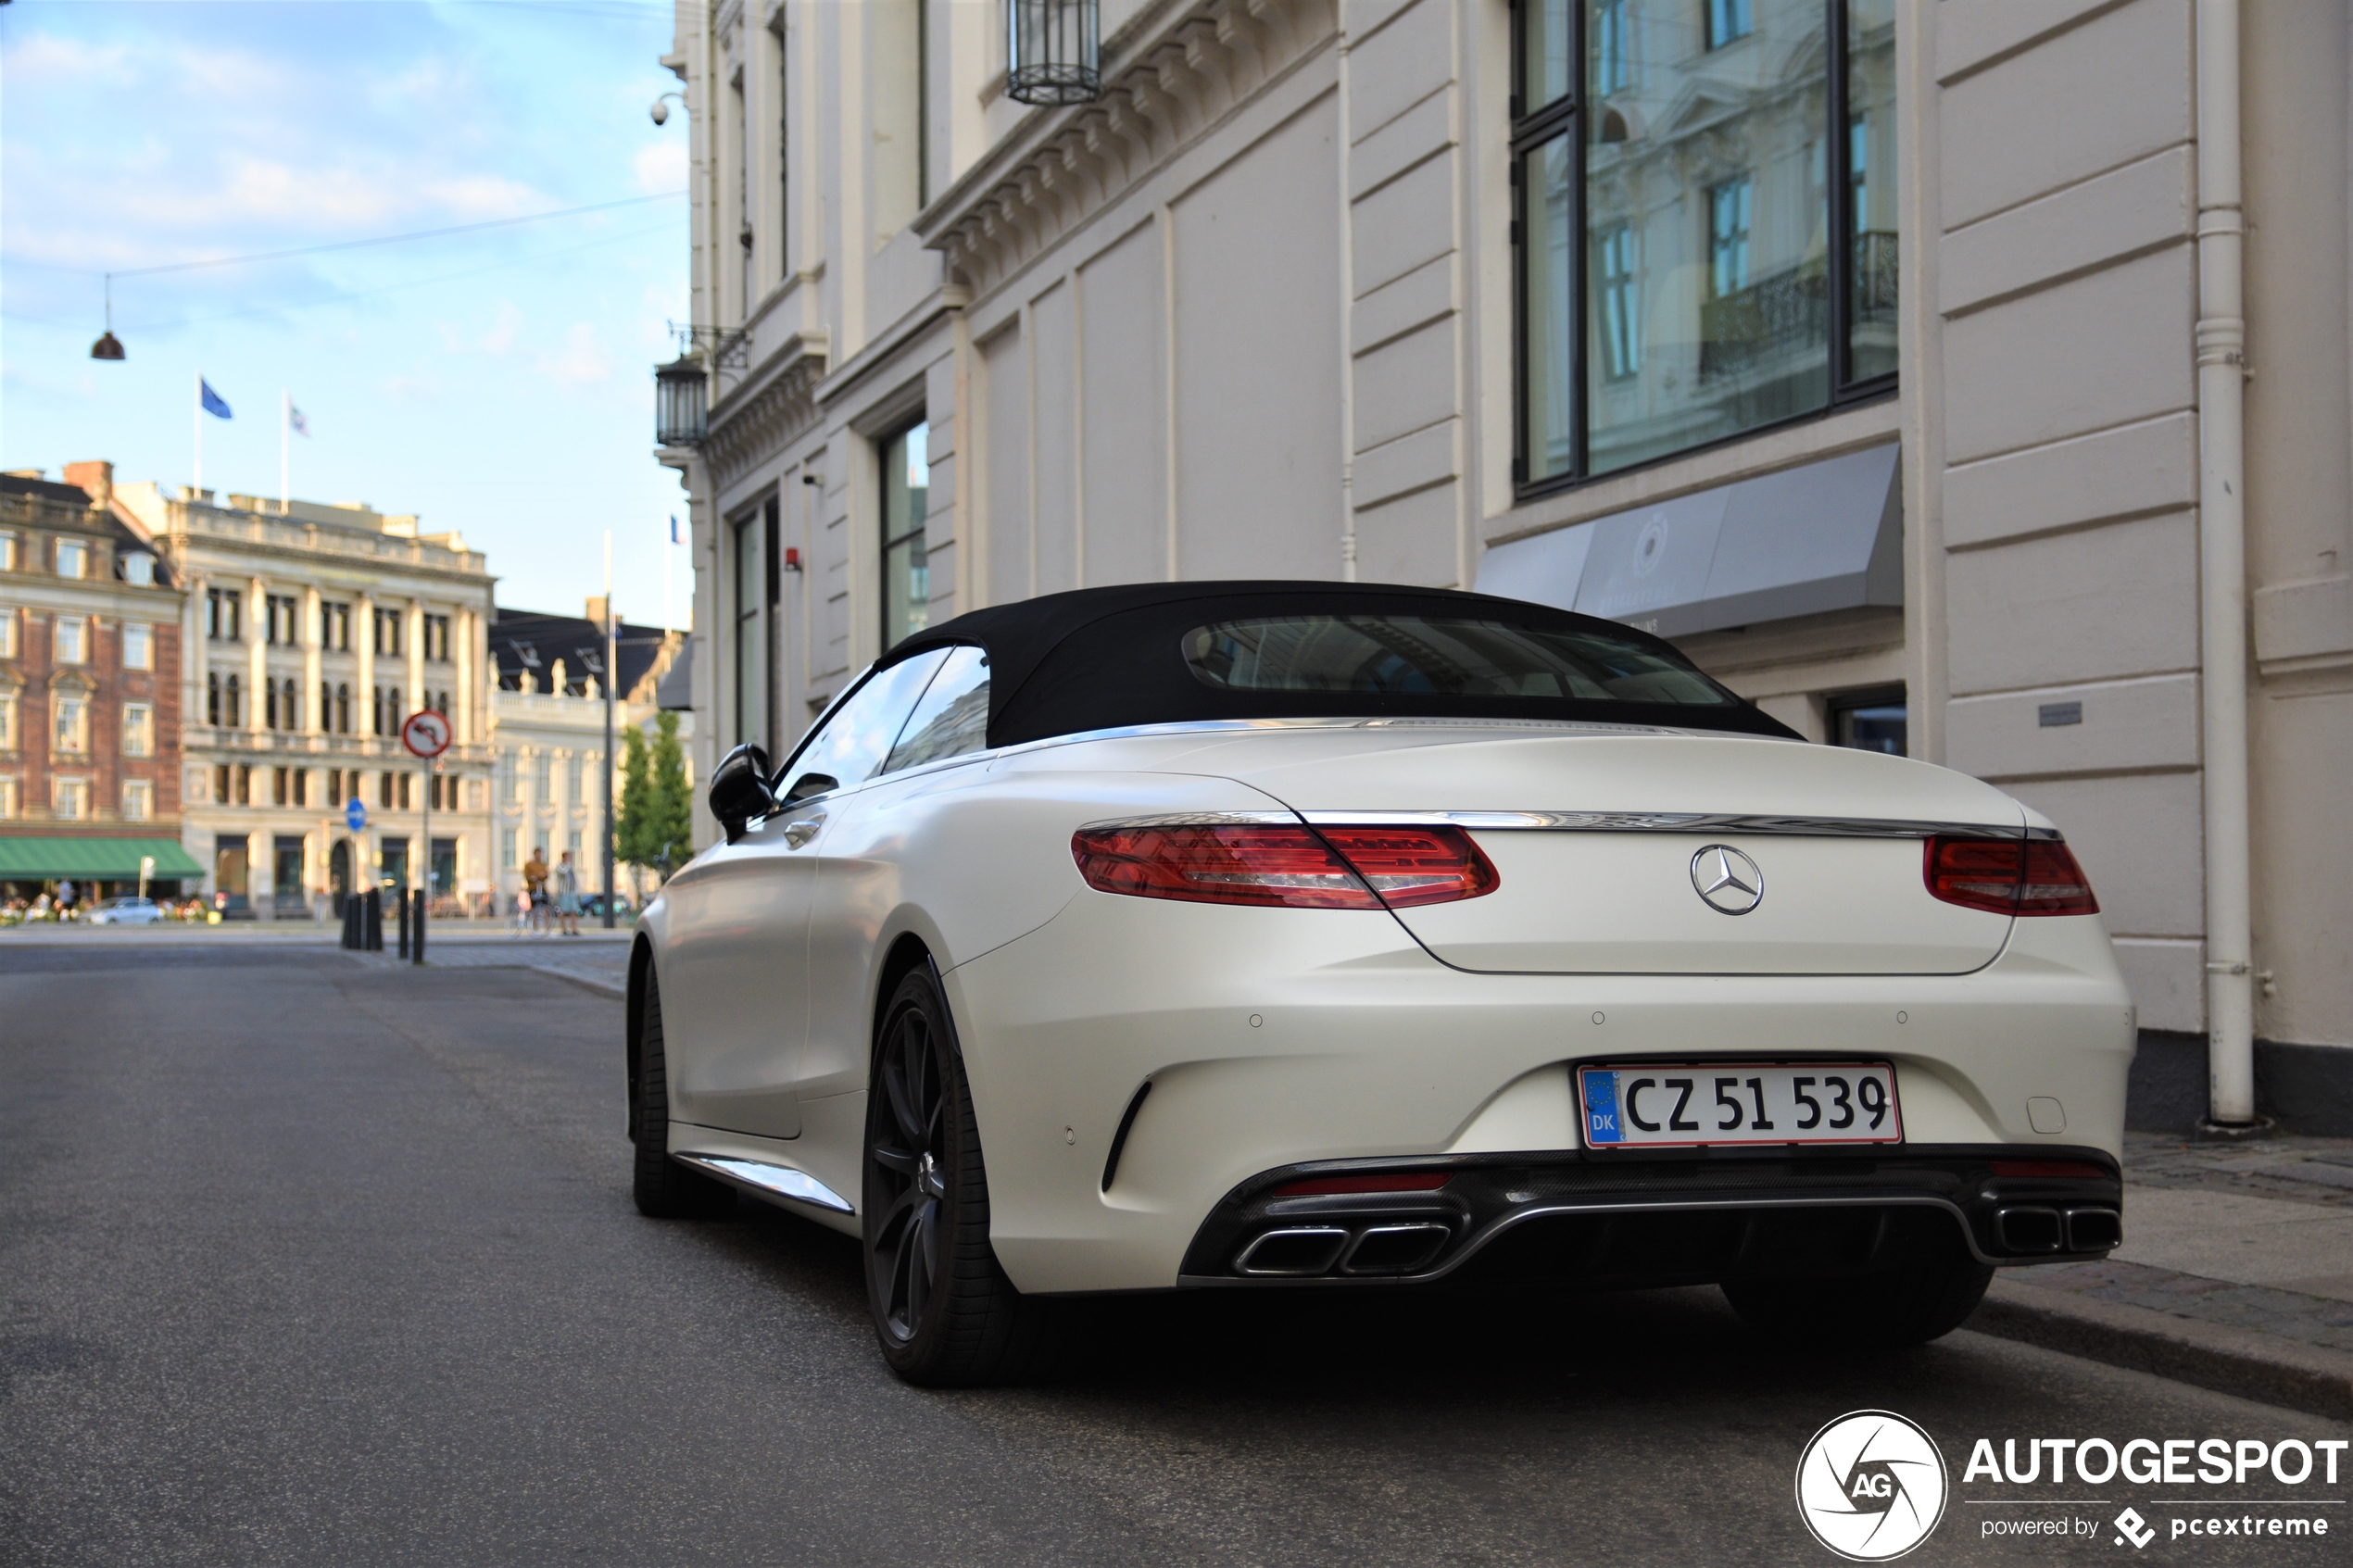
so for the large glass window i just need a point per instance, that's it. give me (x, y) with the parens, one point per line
(906, 578)
(1705, 222)
(852, 743)
(751, 669)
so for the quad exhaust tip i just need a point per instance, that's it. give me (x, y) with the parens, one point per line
(1306, 1251)
(2033, 1228)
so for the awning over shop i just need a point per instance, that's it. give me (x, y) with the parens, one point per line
(91, 859)
(1826, 536)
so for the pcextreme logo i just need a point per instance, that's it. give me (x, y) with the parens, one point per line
(1871, 1486)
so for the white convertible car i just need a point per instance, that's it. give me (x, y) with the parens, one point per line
(1277, 935)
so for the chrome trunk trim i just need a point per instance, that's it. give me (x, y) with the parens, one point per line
(1672, 821)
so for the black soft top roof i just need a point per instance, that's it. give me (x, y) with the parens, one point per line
(1098, 658)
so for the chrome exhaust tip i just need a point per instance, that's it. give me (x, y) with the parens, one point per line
(1298, 1252)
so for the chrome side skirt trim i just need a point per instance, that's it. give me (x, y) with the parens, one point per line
(764, 1180)
(1672, 821)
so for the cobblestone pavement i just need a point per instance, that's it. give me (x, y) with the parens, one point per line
(597, 956)
(2313, 1171)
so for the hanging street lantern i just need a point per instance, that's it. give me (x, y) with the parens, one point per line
(1055, 52)
(681, 390)
(108, 346)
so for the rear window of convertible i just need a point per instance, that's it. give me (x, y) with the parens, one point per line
(1415, 655)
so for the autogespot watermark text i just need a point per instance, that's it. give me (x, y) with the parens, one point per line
(2179, 1462)
(1871, 1486)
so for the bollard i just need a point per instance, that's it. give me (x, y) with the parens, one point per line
(372, 917)
(420, 949)
(403, 897)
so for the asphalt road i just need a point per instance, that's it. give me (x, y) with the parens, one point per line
(307, 1262)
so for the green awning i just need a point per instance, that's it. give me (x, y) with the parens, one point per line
(101, 860)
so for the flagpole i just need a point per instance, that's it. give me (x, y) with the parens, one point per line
(199, 425)
(285, 449)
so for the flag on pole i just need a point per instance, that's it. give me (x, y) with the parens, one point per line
(296, 422)
(674, 528)
(213, 402)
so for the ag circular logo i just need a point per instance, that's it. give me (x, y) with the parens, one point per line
(1871, 1486)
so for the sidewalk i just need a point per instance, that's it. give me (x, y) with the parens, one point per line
(2237, 1273)
(594, 960)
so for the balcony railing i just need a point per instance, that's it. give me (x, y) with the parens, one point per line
(1752, 326)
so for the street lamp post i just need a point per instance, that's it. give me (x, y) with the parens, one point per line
(612, 674)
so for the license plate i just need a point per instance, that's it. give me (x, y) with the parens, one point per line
(1670, 1104)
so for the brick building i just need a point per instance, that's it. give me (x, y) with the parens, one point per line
(90, 658)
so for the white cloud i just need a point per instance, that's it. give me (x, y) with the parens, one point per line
(662, 166)
(500, 340)
(584, 360)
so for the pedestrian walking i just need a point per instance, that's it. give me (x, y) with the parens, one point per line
(65, 899)
(568, 895)
(535, 886)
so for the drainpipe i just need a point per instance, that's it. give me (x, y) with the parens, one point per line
(1347, 330)
(2221, 354)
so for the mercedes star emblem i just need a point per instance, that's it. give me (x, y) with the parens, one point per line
(1726, 880)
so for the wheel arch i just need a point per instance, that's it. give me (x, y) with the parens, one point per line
(907, 953)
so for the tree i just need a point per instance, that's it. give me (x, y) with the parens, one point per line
(656, 825)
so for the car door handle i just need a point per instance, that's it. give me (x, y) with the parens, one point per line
(800, 833)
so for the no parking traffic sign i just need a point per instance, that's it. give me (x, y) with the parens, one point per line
(426, 734)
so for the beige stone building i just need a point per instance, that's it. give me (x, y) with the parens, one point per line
(1968, 378)
(547, 737)
(311, 633)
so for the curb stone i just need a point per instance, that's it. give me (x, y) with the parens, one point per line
(2229, 1361)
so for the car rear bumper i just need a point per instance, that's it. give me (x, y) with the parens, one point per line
(1614, 1221)
(1262, 1041)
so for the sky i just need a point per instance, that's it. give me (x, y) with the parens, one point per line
(498, 382)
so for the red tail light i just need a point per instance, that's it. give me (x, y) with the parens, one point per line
(1318, 1186)
(2009, 876)
(1285, 865)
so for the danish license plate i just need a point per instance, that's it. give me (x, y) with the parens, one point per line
(1667, 1105)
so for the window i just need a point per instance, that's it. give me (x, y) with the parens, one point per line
(1621, 302)
(541, 790)
(334, 627)
(952, 719)
(302, 786)
(438, 638)
(384, 790)
(138, 730)
(1686, 278)
(784, 155)
(72, 728)
(72, 645)
(573, 843)
(1873, 721)
(233, 784)
(138, 800)
(73, 560)
(8, 562)
(69, 798)
(281, 787)
(343, 709)
(739, 132)
(389, 632)
(270, 704)
(507, 783)
(389, 713)
(139, 570)
(283, 610)
(138, 646)
(7, 631)
(232, 703)
(572, 780)
(750, 671)
(506, 849)
(224, 615)
(9, 805)
(1729, 22)
(7, 720)
(856, 738)
(906, 594)
(405, 802)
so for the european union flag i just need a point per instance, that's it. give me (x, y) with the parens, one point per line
(213, 402)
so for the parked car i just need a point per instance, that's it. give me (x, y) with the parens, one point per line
(127, 911)
(592, 905)
(1291, 935)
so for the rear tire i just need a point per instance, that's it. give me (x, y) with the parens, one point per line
(944, 1313)
(1907, 1306)
(664, 1189)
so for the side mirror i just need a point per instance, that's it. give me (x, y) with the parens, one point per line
(740, 789)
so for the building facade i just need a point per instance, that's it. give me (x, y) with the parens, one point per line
(1967, 380)
(312, 631)
(90, 689)
(547, 737)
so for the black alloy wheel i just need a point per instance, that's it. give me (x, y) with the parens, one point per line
(944, 1312)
